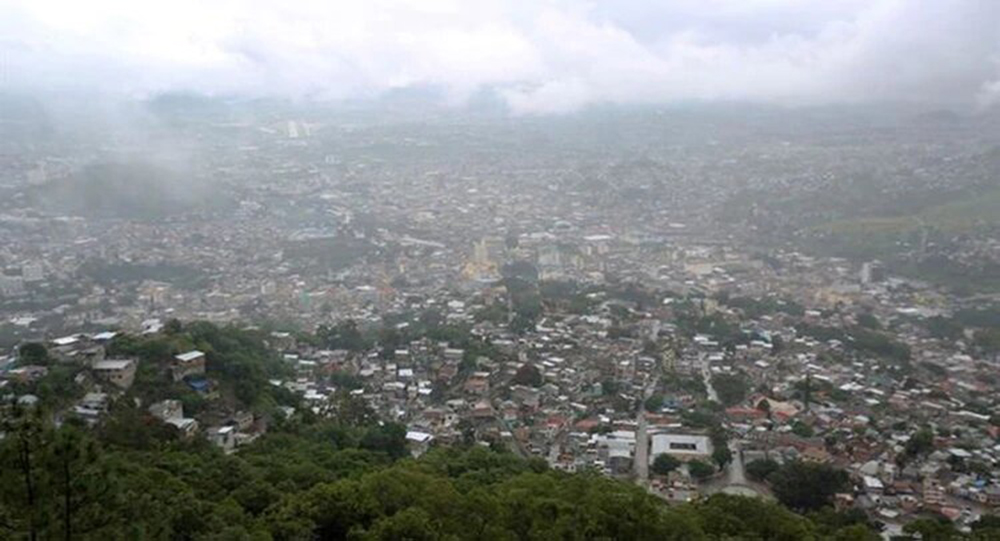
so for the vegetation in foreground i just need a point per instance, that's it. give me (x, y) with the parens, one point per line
(349, 476)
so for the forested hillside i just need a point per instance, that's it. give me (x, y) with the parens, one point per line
(317, 479)
(338, 474)
(323, 480)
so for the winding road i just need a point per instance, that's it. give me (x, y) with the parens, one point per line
(735, 480)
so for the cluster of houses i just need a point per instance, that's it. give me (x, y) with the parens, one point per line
(106, 379)
(618, 375)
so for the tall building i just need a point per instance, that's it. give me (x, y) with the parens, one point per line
(481, 266)
(872, 272)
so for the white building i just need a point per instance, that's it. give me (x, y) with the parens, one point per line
(418, 441)
(681, 446)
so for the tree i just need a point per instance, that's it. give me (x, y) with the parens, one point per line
(807, 392)
(336, 474)
(81, 485)
(943, 328)
(23, 474)
(495, 313)
(849, 525)
(173, 326)
(802, 429)
(520, 269)
(511, 240)
(33, 353)
(856, 532)
(735, 517)
(987, 524)
(869, 321)
(761, 469)
(53, 483)
(777, 344)
(719, 437)
(988, 340)
(522, 322)
(345, 335)
(663, 464)
(722, 456)
(316, 479)
(764, 405)
(468, 431)
(412, 524)
(390, 339)
(920, 443)
(256, 496)
(389, 438)
(806, 486)
(342, 379)
(528, 374)
(59, 387)
(349, 409)
(731, 388)
(700, 470)
(654, 403)
(932, 529)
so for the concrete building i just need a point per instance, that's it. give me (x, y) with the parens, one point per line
(121, 372)
(191, 363)
(681, 446)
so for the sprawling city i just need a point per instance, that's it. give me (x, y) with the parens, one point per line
(227, 318)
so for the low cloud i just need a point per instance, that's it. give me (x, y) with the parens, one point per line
(539, 56)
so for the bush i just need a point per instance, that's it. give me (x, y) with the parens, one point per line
(806, 486)
(33, 353)
(700, 470)
(761, 469)
(664, 464)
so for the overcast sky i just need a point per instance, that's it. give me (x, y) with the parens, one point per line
(538, 55)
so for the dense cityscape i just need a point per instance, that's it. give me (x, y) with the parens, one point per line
(500, 270)
(593, 292)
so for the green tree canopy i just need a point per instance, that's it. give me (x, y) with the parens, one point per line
(663, 464)
(807, 486)
(528, 374)
(33, 353)
(700, 470)
(722, 456)
(761, 469)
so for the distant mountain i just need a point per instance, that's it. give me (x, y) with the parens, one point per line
(186, 103)
(941, 117)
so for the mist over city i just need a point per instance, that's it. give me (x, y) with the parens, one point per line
(494, 269)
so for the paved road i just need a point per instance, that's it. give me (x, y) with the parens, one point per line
(735, 473)
(642, 452)
(706, 375)
(642, 438)
(736, 477)
(735, 481)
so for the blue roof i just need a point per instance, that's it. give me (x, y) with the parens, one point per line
(198, 384)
